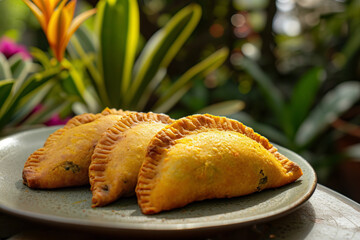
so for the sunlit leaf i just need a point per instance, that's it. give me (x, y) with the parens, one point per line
(150, 88)
(117, 48)
(27, 104)
(162, 48)
(93, 103)
(41, 56)
(32, 84)
(198, 71)
(172, 100)
(83, 47)
(5, 71)
(75, 79)
(5, 89)
(223, 108)
(19, 68)
(48, 110)
(75, 87)
(85, 39)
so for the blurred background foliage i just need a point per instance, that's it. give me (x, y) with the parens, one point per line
(293, 72)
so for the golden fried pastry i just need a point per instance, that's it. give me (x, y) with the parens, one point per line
(119, 154)
(203, 157)
(64, 159)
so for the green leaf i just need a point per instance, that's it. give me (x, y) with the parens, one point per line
(5, 89)
(83, 37)
(269, 132)
(20, 69)
(31, 85)
(29, 102)
(172, 100)
(333, 104)
(352, 45)
(5, 72)
(303, 96)
(162, 48)
(184, 82)
(150, 88)
(49, 109)
(74, 85)
(41, 56)
(224, 108)
(272, 95)
(117, 48)
(74, 80)
(286, 122)
(87, 58)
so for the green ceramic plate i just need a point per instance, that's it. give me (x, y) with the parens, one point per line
(72, 206)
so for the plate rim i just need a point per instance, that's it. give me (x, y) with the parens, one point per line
(158, 227)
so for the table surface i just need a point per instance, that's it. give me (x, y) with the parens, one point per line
(326, 215)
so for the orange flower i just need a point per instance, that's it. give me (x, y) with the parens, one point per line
(56, 19)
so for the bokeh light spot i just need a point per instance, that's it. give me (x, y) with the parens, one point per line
(251, 51)
(216, 30)
(242, 32)
(238, 20)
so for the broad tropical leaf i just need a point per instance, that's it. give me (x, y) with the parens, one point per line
(184, 82)
(162, 48)
(49, 109)
(41, 57)
(271, 93)
(266, 130)
(31, 86)
(82, 46)
(5, 89)
(29, 102)
(75, 80)
(75, 86)
(332, 105)
(83, 38)
(117, 48)
(20, 69)
(172, 100)
(150, 89)
(304, 95)
(5, 71)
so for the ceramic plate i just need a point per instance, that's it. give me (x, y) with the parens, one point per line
(72, 206)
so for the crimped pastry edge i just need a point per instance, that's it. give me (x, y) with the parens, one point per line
(107, 143)
(29, 174)
(166, 137)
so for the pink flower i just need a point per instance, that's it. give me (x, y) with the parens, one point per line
(9, 48)
(56, 120)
